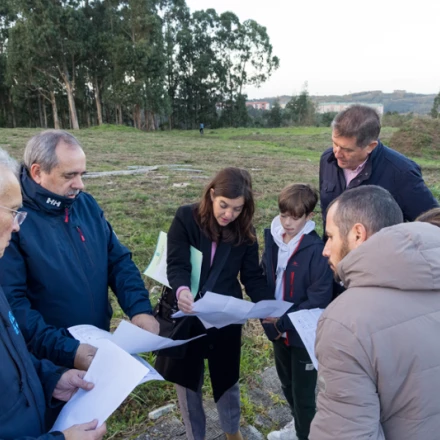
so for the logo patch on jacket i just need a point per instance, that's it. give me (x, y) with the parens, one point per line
(53, 202)
(14, 323)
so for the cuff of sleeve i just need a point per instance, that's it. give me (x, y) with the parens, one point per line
(180, 289)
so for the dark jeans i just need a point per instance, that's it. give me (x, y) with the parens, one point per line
(298, 381)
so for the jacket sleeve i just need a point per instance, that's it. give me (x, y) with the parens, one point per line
(251, 275)
(124, 277)
(414, 197)
(178, 253)
(49, 375)
(319, 291)
(56, 435)
(43, 340)
(348, 404)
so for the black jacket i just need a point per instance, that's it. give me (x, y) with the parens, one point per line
(308, 279)
(386, 168)
(221, 346)
(26, 385)
(58, 268)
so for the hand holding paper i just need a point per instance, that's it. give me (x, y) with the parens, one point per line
(114, 374)
(216, 310)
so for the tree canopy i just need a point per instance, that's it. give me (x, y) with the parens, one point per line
(146, 63)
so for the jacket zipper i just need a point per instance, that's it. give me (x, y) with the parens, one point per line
(81, 235)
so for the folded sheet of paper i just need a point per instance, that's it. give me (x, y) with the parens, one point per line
(127, 336)
(130, 338)
(114, 374)
(216, 310)
(306, 322)
(157, 269)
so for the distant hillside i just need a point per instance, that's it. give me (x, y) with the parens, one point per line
(399, 101)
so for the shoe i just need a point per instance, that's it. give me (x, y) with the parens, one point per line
(286, 433)
(236, 436)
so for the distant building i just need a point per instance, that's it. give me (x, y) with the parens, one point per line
(327, 107)
(259, 105)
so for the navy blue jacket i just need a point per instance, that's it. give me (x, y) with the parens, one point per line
(308, 279)
(57, 270)
(26, 384)
(386, 168)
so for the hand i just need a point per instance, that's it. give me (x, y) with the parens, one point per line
(270, 320)
(84, 356)
(147, 322)
(69, 383)
(186, 301)
(86, 431)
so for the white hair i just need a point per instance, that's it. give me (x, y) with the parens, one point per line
(8, 162)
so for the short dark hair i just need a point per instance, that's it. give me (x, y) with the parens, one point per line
(432, 216)
(297, 199)
(231, 183)
(359, 121)
(371, 205)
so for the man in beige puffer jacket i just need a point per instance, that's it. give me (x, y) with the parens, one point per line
(378, 343)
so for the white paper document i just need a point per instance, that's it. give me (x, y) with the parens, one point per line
(134, 340)
(218, 311)
(127, 336)
(306, 322)
(115, 374)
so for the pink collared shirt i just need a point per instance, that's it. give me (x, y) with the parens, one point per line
(351, 174)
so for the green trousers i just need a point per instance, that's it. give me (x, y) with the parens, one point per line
(298, 381)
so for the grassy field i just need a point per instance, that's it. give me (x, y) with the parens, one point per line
(140, 206)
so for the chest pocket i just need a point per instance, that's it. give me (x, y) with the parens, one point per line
(328, 186)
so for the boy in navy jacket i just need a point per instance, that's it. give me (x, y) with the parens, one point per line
(296, 272)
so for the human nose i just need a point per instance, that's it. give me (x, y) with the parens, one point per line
(337, 152)
(78, 183)
(326, 251)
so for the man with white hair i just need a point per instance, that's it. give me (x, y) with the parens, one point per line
(57, 270)
(27, 385)
(377, 343)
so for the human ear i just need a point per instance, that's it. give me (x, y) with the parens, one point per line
(35, 172)
(359, 234)
(211, 192)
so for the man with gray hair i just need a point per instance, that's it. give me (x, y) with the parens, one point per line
(57, 270)
(359, 158)
(377, 343)
(27, 385)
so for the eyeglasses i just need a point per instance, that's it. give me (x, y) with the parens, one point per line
(18, 216)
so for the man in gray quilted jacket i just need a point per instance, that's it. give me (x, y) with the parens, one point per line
(377, 343)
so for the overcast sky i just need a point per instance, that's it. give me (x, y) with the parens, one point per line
(345, 46)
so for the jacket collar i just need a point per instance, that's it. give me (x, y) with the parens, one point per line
(39, 198)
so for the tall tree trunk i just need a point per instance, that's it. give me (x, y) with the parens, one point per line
(11, 104)
(98, 102)
(43, 103)
(56, 120)
(40, 110)
(72, 108)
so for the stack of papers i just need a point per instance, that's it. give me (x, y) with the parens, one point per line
(115, 371)
(218, 311)
(131, 339)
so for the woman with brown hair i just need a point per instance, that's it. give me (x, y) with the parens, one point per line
(220, 226)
